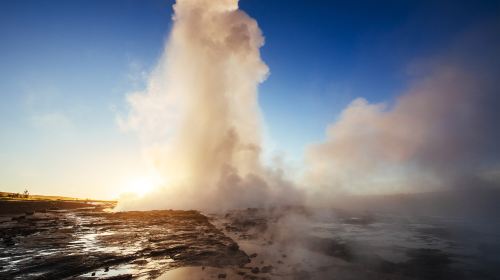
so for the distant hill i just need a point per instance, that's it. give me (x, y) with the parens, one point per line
(11, 195)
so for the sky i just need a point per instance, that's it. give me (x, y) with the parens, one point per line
(67, 66)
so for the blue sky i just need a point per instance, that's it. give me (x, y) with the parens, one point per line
(66, 66)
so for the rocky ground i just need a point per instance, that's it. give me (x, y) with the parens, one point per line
(58, 240)
(91, 243)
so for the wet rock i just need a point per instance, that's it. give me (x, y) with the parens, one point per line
(234, 246)
(330, 247)
(267, 269)
(118, 277)
(9, 241)
(19, 218)
(140, 262)
(302, 275)
(79, 242)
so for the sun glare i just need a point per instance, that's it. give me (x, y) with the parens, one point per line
(140, 186)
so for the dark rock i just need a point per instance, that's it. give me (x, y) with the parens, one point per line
(302, 275)
(234, 247)
(9, 241)
(330, 247)
(221, 275)
(255, 270)
(253, 255)
(118, 277)
(267, 269)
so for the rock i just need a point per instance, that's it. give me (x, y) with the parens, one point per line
(140, 262)
(234, 247)
(9, 241)
(93, 274)
(106, 269)
(118, 277)
(19, 218)
(253, 255)
(221, 275)
(255, 270)
(267, 269)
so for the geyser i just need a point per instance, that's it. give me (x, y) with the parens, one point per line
(199, 117)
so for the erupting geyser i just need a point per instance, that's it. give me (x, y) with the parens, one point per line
(199, 116)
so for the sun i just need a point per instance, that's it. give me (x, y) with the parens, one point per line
(141, 186)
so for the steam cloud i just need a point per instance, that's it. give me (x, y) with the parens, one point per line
(199, 116)
(200, 120)
(442, 133)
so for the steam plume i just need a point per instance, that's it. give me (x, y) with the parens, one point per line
(199, 116)
(441, 133)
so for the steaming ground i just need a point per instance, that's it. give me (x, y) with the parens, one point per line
(79, 240)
